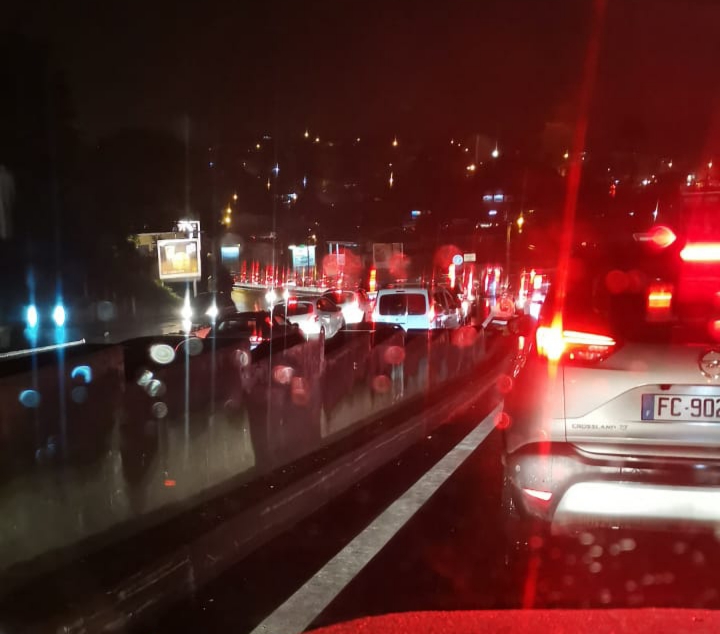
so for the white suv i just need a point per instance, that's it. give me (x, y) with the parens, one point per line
(614, 414)
(417, 308)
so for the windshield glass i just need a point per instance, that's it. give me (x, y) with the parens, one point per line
(319, 311)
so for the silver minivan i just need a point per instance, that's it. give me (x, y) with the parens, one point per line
(613, 419)
(416, 308)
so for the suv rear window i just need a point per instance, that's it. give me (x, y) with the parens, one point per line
(393, 304)
(294, 309)
(402, 303)
(416, 304)
(611, 295)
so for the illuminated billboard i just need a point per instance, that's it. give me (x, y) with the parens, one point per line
(179, 260)
(303, 256)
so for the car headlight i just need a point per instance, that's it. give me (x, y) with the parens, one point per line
(212, 312)
(186, 312)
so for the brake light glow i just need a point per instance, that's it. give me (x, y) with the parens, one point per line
(701, 252)
(553, 343)
(662, 236)
(544, 496)
(431, 314)
(292, 301)
(372, 286)
(660, 298)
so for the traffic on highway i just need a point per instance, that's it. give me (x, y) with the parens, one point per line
(339, 318)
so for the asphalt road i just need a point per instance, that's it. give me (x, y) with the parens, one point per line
(369, 553)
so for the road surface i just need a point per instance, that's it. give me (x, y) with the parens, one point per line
(426, 533)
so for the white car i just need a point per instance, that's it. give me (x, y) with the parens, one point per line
(613, 419)
(314, 315)
(417, 308)
(355, 305)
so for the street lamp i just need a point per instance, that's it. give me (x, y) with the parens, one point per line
(496, 152)
(395, 142)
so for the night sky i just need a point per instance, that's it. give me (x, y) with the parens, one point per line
(500, 67)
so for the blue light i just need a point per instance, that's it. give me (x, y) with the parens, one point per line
(415, 213)
(83, 371)
(59, 315)
(276, 169)
(30, 398)
(31, 316)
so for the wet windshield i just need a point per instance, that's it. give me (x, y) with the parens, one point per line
(312, 312)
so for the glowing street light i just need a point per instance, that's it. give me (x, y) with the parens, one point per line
(395, 142)
(257, 146)
(471, 168)
(58, 315)
(228, 211)
(710, 164)
(496, 152)
(566, 156)
(317, 139)
(391, 180)
(520, 222)
(234, 196)
(307, 134)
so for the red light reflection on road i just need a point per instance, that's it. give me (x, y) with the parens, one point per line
(381, 384)
(298, 391)
(394, 355)
(463, 337)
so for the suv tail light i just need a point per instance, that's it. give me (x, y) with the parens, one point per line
(701, 252)
(659, 302)
(555, 343)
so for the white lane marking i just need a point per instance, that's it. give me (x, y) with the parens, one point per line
(303, 607)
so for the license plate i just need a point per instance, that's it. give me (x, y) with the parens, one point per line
(681, 407)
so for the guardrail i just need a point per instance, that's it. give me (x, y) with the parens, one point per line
(151, 441)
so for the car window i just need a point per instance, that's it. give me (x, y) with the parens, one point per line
(392, 304)
(327, 305)
(416, 304)
(441, 299)
(293, 309)
(640, 296)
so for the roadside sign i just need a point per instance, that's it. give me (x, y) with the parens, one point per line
(457, 259)
(469, 257)
(179, 260)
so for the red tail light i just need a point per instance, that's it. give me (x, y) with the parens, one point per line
(701, 252)
(662, 236)
(256, 339)
(555, 343)
(659, 302)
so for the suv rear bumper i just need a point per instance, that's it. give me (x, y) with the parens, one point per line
(573, 490)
